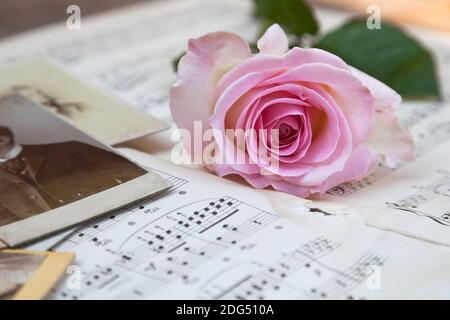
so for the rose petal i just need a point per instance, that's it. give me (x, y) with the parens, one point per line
(286, 146)
(245, 105)
(298, 148)
(274, 41)
(262, 181)
(326, 138)
(293, 58)
(289, 109)
(205, 62)
(226, 101)
(360, 163)
(349, 93)
(387, 138)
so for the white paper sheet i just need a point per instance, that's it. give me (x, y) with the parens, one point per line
(210, 238)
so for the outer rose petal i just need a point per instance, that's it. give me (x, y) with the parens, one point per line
(274, 41)
(293, 58)
(359, 164)
(208, 58)
(387, 138)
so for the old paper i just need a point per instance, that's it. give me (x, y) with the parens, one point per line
(105, 118)
(53, 176)
(31, 274)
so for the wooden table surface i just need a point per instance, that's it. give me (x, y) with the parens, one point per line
(22, 15)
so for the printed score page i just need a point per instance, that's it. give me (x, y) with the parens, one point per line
(228, 242)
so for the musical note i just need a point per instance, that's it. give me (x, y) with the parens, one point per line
(428, 201)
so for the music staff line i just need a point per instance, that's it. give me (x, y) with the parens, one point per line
(99, 225)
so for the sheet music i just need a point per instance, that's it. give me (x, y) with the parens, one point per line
(413, 200)
(226, 242)
(385, 198)
(429, 124)
(129, 53)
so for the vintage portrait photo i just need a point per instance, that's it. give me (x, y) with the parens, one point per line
(46, 164)
(104, 117)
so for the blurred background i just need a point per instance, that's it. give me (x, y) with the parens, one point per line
(22, 15)
(431, 13)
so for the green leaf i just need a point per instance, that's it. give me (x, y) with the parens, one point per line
(294, 16)
(387, 54)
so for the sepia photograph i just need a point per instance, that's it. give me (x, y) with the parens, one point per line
(98, 114)
(21, 270)
(46, 164)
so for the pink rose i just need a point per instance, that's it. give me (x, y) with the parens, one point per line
(334, 123)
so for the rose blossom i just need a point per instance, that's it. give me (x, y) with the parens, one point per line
(334, 123)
